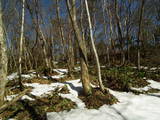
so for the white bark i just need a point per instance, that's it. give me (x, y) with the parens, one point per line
(94, 48)
(21, 43)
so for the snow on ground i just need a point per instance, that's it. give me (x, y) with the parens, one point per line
(74, 86)
(61, 71)
(153, 84)
(130, 106)
(10, 97)
(15, 75)
(77, 68)
(12, 76)
(43, 89)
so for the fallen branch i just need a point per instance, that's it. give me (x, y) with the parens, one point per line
(6, 105)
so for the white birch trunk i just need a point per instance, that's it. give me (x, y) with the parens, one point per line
(94, 48)
(21, 44)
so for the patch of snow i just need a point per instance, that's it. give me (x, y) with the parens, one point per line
(12, 76)
(153, 84)
(61, 71)
(144, 78)
(103, 66)
(73, 95)
(43, 89)
(44, 77)
(144, 67)
(154, 68)
(55, 62)
(27, 97)
(40, 89)
(77, 68)
(130, 107)
(15, 75)
(134, 67)
(10, 97)
(28, 76)
(57, 76)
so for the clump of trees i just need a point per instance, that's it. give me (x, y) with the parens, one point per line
(36, 34)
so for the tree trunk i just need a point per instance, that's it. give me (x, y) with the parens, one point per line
(94, 48)
(120, 37)
(48, 65)
(83, 56)
(139, 34)
(21, 46)
(3, 60)
(60, 28)
(70, 55)
(111, 34)
(105, 30)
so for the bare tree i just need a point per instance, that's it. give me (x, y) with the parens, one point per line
(3, 59)
(139, 33)
(112, 42)
(21, 46)
(60, 27)
(120, 36)
(94, 48)
(71, 6)
(105, 31)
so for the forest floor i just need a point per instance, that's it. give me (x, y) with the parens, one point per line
(60, 99)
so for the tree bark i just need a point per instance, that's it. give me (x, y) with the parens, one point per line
(60, 28)
(112, 42)
(139, 35)
(83, 56)
(48, 65)
(105, 30)
(21, 46)
(94, 48)
(120, 37)
(3, 60)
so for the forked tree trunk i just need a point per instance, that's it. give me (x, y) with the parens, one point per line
(21, 46)
(94, 48)
(3, 60)
(83, 56)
